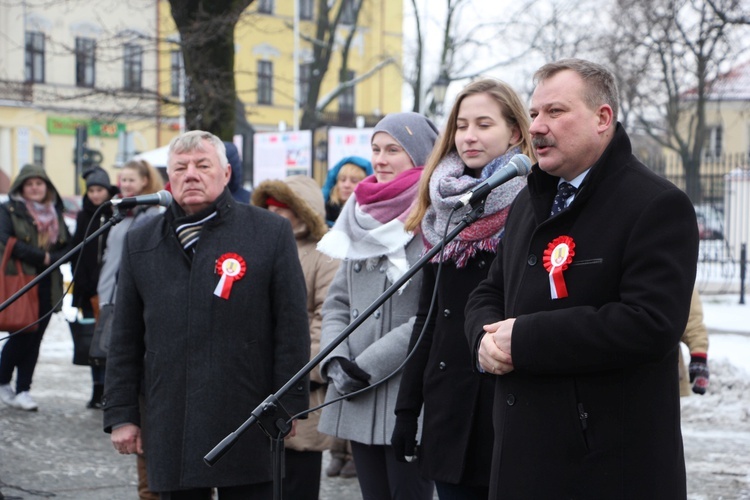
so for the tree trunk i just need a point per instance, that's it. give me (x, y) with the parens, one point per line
(207, 40)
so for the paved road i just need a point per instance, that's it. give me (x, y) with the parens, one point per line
(60, 451)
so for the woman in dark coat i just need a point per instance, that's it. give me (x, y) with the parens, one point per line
(487, 126)
(86, 270)
(34, 216)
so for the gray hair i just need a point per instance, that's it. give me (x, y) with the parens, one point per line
(600, 82)
(193, 141)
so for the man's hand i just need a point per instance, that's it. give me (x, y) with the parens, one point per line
(127, 439)
(293, 432)
(494, 348)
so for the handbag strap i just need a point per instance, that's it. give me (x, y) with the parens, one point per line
(7, 255)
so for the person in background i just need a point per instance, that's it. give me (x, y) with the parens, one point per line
(298, 199)
(369, 236)
(582, 310)
(137, 177)
(86, 270)
(695, 338)
(486, 127)
(34, 216)
(340, 184)
(210, 320)
(338, 188)
(239, 193)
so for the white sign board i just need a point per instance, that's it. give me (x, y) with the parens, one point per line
(280, 154)
(343, 142)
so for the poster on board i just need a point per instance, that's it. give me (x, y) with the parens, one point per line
(344, 142)
(280, 154)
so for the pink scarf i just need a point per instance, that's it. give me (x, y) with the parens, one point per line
(45, 219)
(371, 223)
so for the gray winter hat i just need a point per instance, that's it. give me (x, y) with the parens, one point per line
(415, 132)
(97, 176)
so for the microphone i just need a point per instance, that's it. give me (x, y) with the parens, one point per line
(163, 198)
(518, 165)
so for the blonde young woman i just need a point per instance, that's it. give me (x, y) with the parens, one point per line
(487, 126)
(340, 184)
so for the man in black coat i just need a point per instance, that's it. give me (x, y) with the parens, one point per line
(581, 314)
(210, 319)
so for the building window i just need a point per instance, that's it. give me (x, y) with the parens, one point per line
(347, 12)
(39, 155)
(34, 56)
(305, 75)
(713, 147)
(85, 62)
(265, 82)
(265, 6)
(305, 9)
(175, 72)
(133, 67)
(346, 98)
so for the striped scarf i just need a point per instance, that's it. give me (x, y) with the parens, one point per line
(189, 233)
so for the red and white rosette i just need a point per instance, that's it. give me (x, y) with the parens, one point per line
(231, 267)
(557, 256)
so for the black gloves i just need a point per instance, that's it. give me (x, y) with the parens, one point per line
(347, 376)
(404, 437)
(699, 372)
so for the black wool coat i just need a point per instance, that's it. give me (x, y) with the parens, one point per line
(86, 271)
(457, 412)
(206, 362)
(592, 408)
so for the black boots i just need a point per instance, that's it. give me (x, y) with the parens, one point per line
(96, 397)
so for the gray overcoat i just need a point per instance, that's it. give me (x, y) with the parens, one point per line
(378, 346)
(206, 362)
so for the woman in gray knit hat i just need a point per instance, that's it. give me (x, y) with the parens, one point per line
(376, 250)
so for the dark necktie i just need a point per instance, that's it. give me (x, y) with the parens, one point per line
(564, 191)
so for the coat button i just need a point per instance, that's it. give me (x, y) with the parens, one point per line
(532, 260)
(442, 366)
(511, 400)
(481, 264)
(447, 313)
(376, 314)
(357, 267)
(355, 313)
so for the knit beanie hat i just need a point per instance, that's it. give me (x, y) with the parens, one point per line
(97, 176)
(415, 132)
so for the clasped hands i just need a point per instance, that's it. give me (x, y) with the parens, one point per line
(494, 348)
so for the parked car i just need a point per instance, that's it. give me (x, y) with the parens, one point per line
(710, 222)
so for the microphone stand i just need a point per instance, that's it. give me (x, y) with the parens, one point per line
(117, 216)
(271, 415)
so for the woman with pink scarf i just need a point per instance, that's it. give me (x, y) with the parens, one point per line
(369, 236)
(33, 215)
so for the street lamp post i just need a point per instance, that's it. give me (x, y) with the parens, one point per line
(439, 88)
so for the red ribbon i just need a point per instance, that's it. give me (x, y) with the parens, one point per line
(231, 267)
(557, 256)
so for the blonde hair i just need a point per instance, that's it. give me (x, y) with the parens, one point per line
(347, 169)
(512, 110)
(146, 171)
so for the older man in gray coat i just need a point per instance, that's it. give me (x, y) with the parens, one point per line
(210, 319)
